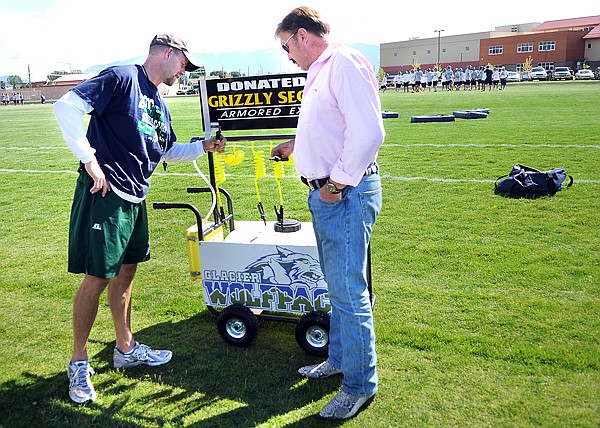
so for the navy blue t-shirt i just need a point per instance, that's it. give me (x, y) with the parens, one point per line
(130, 126)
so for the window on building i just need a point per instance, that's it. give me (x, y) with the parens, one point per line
(466, 49)
(546, 46)
(496, 50)
(428, 51)
(589, 46)
(414, 53)
(547, 65)
(524, 47)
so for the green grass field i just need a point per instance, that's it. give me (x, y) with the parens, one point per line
(487, 312)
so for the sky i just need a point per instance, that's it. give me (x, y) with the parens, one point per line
(49, 35)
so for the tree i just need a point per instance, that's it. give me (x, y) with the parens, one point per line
(527, 64)
(15, 81)
(381, 75)
(198, 73)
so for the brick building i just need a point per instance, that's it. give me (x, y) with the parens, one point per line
(569, 42)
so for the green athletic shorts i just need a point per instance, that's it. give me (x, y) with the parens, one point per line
(105, 232)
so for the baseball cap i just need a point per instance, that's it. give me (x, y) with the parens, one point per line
(177, 43)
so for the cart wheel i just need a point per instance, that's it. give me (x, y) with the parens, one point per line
(312, 333)
(237, 325)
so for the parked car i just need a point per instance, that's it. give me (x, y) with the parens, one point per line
(189, 91)
(597, 73)
(539, 73)
(584, 74)
(513, 76)
(562, 73)
(526, 76)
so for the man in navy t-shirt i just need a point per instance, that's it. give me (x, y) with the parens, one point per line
(129, 133)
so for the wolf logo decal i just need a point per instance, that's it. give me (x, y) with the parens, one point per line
(283, 281)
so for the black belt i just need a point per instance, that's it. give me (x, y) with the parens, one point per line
(317, 183)
(314, 184)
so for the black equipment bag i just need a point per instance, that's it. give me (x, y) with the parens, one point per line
(526, 182)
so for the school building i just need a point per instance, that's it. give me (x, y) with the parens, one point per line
(571, 42)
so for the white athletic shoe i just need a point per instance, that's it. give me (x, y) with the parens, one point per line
(80, 385)
(140, 354)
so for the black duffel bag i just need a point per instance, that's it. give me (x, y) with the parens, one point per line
(526, 182)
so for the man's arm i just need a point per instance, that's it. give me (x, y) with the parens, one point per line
(189, 152)
(69, 111)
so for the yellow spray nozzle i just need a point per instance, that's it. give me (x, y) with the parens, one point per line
(235, 158)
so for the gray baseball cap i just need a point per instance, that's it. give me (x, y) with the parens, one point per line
(177, 43)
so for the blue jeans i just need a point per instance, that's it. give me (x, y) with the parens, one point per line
(343, 231)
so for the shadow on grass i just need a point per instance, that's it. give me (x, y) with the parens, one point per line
(207, 384)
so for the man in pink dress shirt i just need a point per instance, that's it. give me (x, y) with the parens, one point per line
(340, 130)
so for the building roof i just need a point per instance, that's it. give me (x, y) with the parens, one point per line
(562, 24)
(70, 78)
(594, 34)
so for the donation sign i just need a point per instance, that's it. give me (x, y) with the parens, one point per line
(255, 102)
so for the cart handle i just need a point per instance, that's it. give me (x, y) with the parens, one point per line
(222, 218)
(171, 205)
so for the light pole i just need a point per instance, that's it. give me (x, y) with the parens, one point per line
(69, 64)
(439, 42)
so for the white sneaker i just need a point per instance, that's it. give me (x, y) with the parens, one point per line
(80, 385)
(140, 354)
(345, 406)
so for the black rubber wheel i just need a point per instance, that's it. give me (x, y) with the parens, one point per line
(237, 325)
(312, 333)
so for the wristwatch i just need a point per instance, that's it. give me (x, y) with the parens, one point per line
(332, 188)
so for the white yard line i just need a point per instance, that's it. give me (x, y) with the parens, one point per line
(183, 174)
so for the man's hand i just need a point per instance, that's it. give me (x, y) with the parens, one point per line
(100, 181)
(284, 150)
(327, 196)
(214, 145)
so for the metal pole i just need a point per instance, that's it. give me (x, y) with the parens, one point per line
(439, 43)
